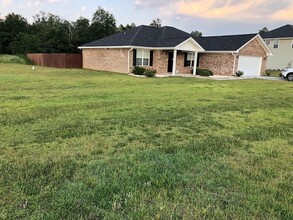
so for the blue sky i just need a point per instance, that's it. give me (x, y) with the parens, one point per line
(212, 17)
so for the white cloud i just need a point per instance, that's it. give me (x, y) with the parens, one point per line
(6, 3)
(230, 10)
(53, 1)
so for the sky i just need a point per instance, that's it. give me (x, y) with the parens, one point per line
(211, 17)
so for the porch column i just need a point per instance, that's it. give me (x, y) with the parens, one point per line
(174, 63)
(195, 63)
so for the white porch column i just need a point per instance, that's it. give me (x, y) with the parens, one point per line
(174, 63)
(195, 63)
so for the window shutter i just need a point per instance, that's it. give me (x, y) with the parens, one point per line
(134, 57)
(151, 57)
(185, 60)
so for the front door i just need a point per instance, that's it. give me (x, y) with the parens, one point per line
(170, 62)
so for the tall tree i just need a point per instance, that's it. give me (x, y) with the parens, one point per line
(156, 23)
(81, 31)
(196, 33)
(54, 33)
(103, 24)
(11, 27)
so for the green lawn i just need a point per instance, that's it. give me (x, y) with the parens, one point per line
(79, 144)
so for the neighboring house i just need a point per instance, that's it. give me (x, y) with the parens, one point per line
(169, 50)
(280, 41)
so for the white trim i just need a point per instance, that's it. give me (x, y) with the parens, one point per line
(262, 43)
(195, 63)
(219, 51)
(280, 38)
(174, 63)
(234, 63)
(104, 47)
(192, 40)
(123, 47)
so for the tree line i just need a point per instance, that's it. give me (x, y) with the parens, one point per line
(48, 33)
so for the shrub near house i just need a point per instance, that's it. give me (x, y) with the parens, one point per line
(138, 70)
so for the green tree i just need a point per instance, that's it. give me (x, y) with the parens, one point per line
(156, 23)
(11, 27)
(196, 33)
(55, 34)
(81, 31)
(103, 24)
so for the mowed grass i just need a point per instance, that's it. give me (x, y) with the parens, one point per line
(80, 144)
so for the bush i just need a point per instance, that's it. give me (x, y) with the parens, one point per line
(239, 73)
(204, 72)
(138, 70)
(150, 73)
(268, 72)
(21, 59)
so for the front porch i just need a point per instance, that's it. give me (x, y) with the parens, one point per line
(175, 60)
(190, 49)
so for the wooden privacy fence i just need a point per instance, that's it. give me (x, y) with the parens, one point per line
(57, 60)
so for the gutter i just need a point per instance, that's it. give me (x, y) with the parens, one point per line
(234, 64)
(128, 70)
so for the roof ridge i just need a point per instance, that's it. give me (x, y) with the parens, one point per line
(232, 35)
(135, 35)
(164, 31)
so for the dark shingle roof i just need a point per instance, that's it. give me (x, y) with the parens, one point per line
(224, 43)
(144, 36)
(281, 32)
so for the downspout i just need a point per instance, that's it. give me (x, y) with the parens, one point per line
(234, 64)
(131, 49)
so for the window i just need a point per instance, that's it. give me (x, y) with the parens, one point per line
(276, 44)
(268, 42)
(189, 59)
(143, 58)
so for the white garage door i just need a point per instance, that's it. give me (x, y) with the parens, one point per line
(251, 66)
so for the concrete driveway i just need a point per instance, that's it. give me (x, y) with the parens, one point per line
(246, 77)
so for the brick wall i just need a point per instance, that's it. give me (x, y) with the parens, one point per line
(219, 63)
(160, 63)
(115, 60)
(180, 64)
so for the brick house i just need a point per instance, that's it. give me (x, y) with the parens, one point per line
(170, 50)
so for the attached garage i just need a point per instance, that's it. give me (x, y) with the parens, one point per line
(225, 55)
(251, 66)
